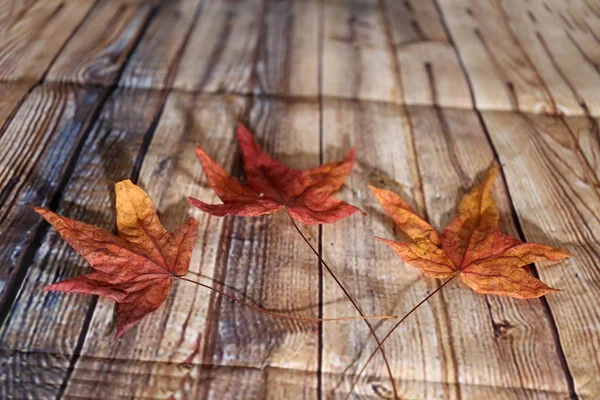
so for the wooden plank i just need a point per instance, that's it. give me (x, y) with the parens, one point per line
(253, 46)
(551, 166)
(36, 148)
(11, 94)
(460, 344)
(100, 46)
(288, 55)
(195, 328)
(156, 57)
(33, 32)
(425, 55)
(221, 52)
(528, 56)
(357, 60)
(502, 74)
(375, 277)
(174, 335)
(42, 330)
(495, 340)
(557, 39)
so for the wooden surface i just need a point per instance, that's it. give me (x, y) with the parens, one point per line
(430, 92)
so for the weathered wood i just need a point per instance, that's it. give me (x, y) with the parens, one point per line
(36, 150)
(367, 59)
(41, 333)
(551, 167)
(196, 327)
(11, 95)
(159, 51)
(374, 276)
(102, 43)
(32, 33)
(523, 55)
(429, 68)
(221, 52)
(486, 343)
(288, 53)
(253, 46)
(357, 59)
(494, 340)
(560, 51)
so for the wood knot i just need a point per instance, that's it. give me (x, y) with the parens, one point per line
(382, 391)
(502, 329)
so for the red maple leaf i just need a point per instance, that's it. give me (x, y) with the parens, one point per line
(135, 268)
(472, 246)
(272, 186)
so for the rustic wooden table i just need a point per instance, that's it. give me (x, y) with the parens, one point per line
(428, 91)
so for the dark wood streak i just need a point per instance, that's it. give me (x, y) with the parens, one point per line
(509, 85)
(445, 129)
(522, 51)
(562, 74)
(320, 268)
(215, 304)
(34, 232)
(514, 216)
(357, 78)
(259, 48)
(217, 50)
(170, 76)
(420, 199)
(583, 53)
(145, 144)
(521, 235)
(417, 191)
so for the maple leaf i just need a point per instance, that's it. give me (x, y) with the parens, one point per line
(472, 245)
(135, 268)
(272, 186)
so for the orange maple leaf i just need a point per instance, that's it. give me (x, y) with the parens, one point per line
(472, 245)
(135, 268)
(272, 186)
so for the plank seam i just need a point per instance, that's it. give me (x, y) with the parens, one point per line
(299, 98)
(514, 216)
(16, 282)
(34, 84)
(320, 347)
(418, 192)
(97, 113)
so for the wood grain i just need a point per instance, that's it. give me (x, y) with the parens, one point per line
(357, 59)
(551, 166)
(36, 150)
(288, 53)
(486, 343)
(41, 334)
(102, 43)
(194, 328)
(527, 56)
(32, 34)
(11, 97)
(159, 50)
(425, 54)
(508, 336)
(429, 92)
(221, 53)
(253, 46)
(372, 275)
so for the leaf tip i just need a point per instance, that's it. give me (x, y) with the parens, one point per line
(39, 210)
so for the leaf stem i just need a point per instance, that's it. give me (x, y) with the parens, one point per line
(274, 314)
(356, 379)
(339, 283)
